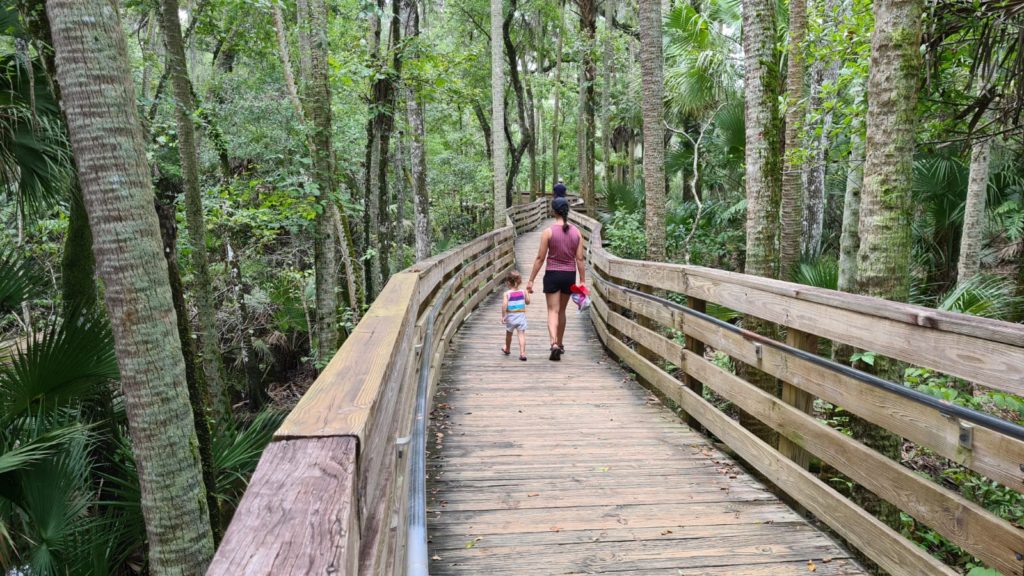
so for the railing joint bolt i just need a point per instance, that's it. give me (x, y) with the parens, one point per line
(966, 436)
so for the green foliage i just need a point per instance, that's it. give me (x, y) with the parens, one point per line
(626, 236)
(985, 296)
(21, 280)
(35, 161)
(821, 272)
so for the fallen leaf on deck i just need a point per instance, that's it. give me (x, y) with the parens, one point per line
(532, 495)
(811, 566)
(435, 557)
(555, 529)
(603, 469)
(664, 532)
(473, 542)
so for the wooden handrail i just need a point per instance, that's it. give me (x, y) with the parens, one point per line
(984, 351)
(328, 495)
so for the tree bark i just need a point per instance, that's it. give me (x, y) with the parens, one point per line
(188, 154)
(316, 99)
(651, 73)
(346, 246)
(585, 120)
(974, 211)
(608, 61)
(792, 199)
(884, 257)
(198, 393)
(525, 131)
(764, 167)
(849, 239)
(763, 173)
(822, 72)
(498, 111)
(107, 139)
(555, 120)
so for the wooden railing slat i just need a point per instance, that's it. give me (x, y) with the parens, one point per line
(876, 540)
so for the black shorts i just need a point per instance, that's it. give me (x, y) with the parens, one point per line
(559, 281)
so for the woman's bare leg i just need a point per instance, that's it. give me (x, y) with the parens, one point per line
(563, 302)
(553, 303)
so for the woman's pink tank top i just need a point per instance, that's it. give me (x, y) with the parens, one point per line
(562, 248)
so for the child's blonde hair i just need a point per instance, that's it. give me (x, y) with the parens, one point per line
(513, 279)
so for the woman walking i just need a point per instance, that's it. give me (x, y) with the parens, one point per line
(561, 249)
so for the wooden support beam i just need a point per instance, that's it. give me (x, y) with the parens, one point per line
(798, 398)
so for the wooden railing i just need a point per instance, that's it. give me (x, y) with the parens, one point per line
(663, 342)
(329, 495)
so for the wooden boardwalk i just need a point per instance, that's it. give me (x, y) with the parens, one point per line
(573, 468)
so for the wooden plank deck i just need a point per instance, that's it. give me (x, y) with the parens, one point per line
(573, 468)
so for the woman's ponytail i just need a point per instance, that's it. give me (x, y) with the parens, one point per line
(561, 207)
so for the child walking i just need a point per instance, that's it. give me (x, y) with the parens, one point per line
(513, 313)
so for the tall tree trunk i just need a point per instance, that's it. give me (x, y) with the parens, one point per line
(525, 131)
(849, 239)
(531, 149)
(107, 140)
(884, 256)
(764, 170)
(241, 289)
(485, 127)
(555, 119)
(608, 62)
(346, 246)
(823, 72)
(199, 395)
(188, 154)
(316, 99)
(652, 73)
(585, 120)
(792, 199)
(974, 211)
(498, 111)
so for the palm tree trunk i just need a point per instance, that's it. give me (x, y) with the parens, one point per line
(974, 211)
(107, 140)
(498, 111)
(188, 154)
(884, 256)
(651, 73)
(316, 96)
(764, 171)
(792, 200)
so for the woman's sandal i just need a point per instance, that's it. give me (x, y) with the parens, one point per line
(523, 358)
(505, 352)
(556, 353)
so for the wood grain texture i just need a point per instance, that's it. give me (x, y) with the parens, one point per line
(876, 540)
(978, 531)
(298, 515)
(980, 350)
(572, 467)
(993, 454)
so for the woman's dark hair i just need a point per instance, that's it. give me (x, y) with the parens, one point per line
(560, 206)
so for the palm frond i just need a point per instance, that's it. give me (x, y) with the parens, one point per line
(20, 280)
(821, 272)
(986, 296)
(237, 447)
(68, 361)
